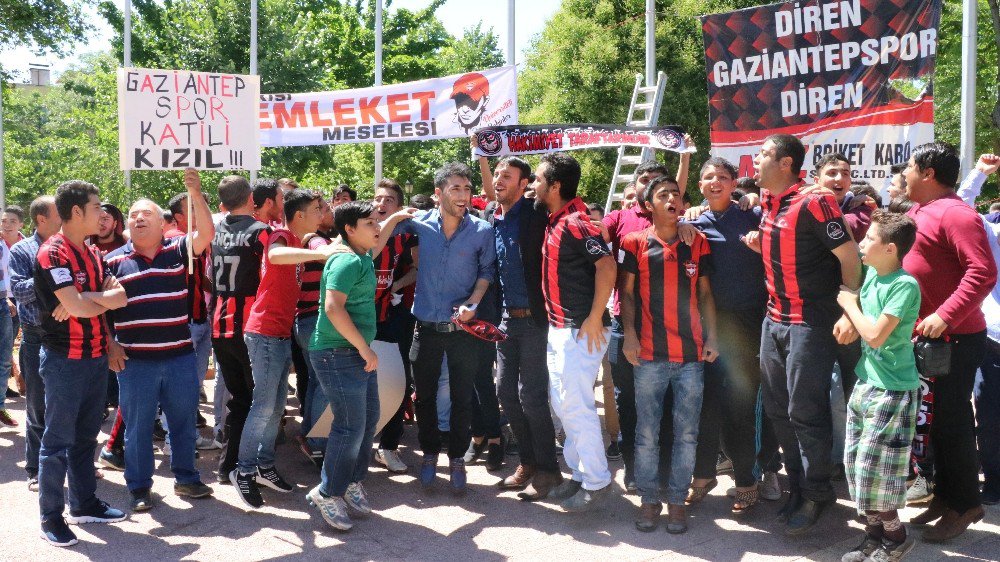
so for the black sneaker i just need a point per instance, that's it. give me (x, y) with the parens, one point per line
(159, 434)
(614, 452)
(270, 478)
(57, 533)
(893, 551)
(142, 500)
(113, 460)
(246, 489)
(192, 490)
(11, 393)
(101, 512)
(316, 457)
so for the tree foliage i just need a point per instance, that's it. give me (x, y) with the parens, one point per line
(49, 25)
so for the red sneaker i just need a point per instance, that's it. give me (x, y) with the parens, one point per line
(6, 420)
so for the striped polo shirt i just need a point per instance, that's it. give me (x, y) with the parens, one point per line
(154, 323)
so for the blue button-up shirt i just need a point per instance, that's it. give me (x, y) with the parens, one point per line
(22, 283)
(449, 268)
(509, 263)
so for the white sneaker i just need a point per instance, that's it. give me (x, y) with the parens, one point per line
(919, 492)
(770, 487)
(206, 443)
(390, 459)
(333, 510)
(357, 498)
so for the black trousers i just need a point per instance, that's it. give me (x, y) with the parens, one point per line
(523, 391)
(397, 329)
(953, 432)
(233, 359)
(485, 406)
(428, 351)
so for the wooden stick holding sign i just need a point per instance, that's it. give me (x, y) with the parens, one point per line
(190, 238)
(192, 183)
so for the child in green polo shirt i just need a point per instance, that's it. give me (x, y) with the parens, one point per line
(882, 411)
(345, 365)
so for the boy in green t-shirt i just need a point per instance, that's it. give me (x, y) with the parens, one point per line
(345, 365)
(882, 410)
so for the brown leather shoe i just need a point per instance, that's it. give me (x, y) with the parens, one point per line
(542, 483)
(676, 519)
(519, 480)
(649, 517)
(934, 511)
(953, 524)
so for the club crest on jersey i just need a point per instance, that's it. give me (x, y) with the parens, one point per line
(80, 277)
(834, 231)
(594, 247)
(691, 268)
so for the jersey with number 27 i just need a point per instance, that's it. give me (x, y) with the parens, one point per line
(237, 250)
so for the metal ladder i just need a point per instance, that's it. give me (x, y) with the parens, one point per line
(641, 113)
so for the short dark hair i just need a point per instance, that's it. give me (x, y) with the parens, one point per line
(720, 162)
(830, 158)
(899, 204)
(514, 162)
(168, 216)
(264, 189)
(40, 207)
(748, 185)
(647, 197)
(595, 207)
(233, 192)
(344, 188)
(73, 193)
(297, 200)
(897, 168)
(422, 202)
(393, 185)
(865, 188)
(451, 169)
(564, 169)
(176, 204)
(349, 214)
(17, 210)
(940, 157)
(650, 166)
(895, 228)
(789, 146)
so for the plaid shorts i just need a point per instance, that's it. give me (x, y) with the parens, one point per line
(880, 427)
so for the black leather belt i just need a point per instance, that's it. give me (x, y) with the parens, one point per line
(443, 327)
(518, 312)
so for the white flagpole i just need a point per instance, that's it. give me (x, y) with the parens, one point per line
(253, 57)
(127, 48)
(378, 81)
(650, 43)
(967, 148)
(510, 32)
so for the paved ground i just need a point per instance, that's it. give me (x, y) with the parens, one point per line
(413, 525)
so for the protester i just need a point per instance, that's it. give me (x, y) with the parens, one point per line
(665, 294)
(801, 330)
(112, 226)
(11, 224)
(346, 366)
(343, 195)
(953, 265)
(882, 408)
(578, 274)
(6, 335)
(158, 366)
(74, 293)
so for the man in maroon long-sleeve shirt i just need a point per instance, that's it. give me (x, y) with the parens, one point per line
(951, 260)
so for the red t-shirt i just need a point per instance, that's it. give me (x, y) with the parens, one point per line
(273, 311)
(620, 223)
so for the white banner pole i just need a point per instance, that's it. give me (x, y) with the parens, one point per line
(378, 81)
(127, 48)
(253, 55)
(967, 147)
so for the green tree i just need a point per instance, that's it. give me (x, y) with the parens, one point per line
(49, 25)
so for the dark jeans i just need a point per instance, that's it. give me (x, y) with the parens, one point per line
(34, 396)
(485, 406)
(75, 390)
(623, 378)
(848, 357)
(430, 348)
(523, 391)
(953, 432)
(301, 374)
(796, 361)
(987, 393)
(397, 329)
(234, 361)
(729, 405)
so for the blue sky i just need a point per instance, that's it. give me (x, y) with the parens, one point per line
(530, 17)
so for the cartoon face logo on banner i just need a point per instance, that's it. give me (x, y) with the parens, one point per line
(489, 141)
(470, 93)
(670, 139)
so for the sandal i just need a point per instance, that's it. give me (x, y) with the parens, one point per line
(745, 499)
(698, 493)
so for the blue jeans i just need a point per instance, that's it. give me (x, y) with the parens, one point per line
(75, 391)
(316, 402)
(34, 396)
(270, 359)
(6, 350)
(652, 379)
(201, 337)
(173, 384)
(353, 395)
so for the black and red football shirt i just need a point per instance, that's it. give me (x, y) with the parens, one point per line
(572, 245)
(237, 250)
(390, 263)
(309, 277)
(797, 233)
(63, 264)
(667, 317)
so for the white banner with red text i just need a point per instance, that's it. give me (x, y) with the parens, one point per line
(520, 140)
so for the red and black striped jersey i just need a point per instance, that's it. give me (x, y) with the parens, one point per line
(797, 233)
(197, 307)
(389, 264)
(62, 264)
(310, 274)
(572, 245)
(667, 317)
(237, 250)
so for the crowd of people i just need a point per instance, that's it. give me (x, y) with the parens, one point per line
(774, 326)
